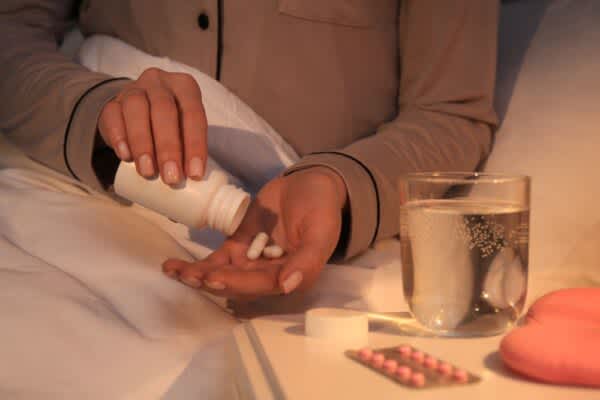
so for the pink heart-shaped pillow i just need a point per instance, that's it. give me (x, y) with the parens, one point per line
(560, 342)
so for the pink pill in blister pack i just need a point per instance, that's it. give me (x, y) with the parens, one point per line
(430, 362)
(412, 367)
(390, 366)
(377, 360)
(365, 354)
(418, 356)
(403, 373)
(418, 379)
(404, 350)
(445, 369)
(460, 376)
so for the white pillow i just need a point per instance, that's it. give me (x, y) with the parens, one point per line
(551, 127)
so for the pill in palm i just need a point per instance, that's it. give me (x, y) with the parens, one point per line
(257, 246)
(273, 251)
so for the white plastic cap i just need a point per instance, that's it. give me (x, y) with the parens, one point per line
(345, 327)
(227, 209)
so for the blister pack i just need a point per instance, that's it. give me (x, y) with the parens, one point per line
(412, 367)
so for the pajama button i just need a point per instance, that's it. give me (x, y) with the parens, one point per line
(203, 21)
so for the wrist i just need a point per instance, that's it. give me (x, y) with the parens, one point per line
(336, 180)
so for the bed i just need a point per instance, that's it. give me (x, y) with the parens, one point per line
(86, 312)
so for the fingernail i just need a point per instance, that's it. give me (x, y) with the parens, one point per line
(292, 282)
(145, 165)
(123, 151)
(214, 285)
(196, 170)
(191, 281)
(171, 172)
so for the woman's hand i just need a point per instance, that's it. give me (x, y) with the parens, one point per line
(158, 121)
(302, 213)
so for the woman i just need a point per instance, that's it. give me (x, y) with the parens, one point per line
(363, 90)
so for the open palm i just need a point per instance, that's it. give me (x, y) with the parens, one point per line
(301, 213)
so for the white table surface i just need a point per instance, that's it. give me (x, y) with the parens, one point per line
(276, 361)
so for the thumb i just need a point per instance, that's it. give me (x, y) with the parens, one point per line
(302, 268)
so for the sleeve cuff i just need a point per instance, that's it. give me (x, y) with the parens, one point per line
(362, 196)
(82, 130)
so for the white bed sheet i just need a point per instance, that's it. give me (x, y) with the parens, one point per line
(86, 312)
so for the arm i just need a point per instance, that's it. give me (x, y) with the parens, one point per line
(54, 109)
(445, 112)
(444, 122)
(50, 105)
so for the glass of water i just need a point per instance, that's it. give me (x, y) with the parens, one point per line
(465, 248)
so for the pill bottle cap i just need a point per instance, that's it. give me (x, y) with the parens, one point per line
(342, 326)
(227, 209)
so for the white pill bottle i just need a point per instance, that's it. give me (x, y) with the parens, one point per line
(211, 202)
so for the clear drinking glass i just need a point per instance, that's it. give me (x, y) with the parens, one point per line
(465, 247)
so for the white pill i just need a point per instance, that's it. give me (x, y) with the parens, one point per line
(257, 246)
(273, 251)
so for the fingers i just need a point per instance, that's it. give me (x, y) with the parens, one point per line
(192, 273)
(167, 140)
(225, 279)
(258, 278)
(159, 121)
(136, 113)
(112, 129)
(172, 267)
(234, 282)
(192, 121)
(301, 269)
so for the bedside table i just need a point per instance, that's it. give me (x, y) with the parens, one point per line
(274, 360)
